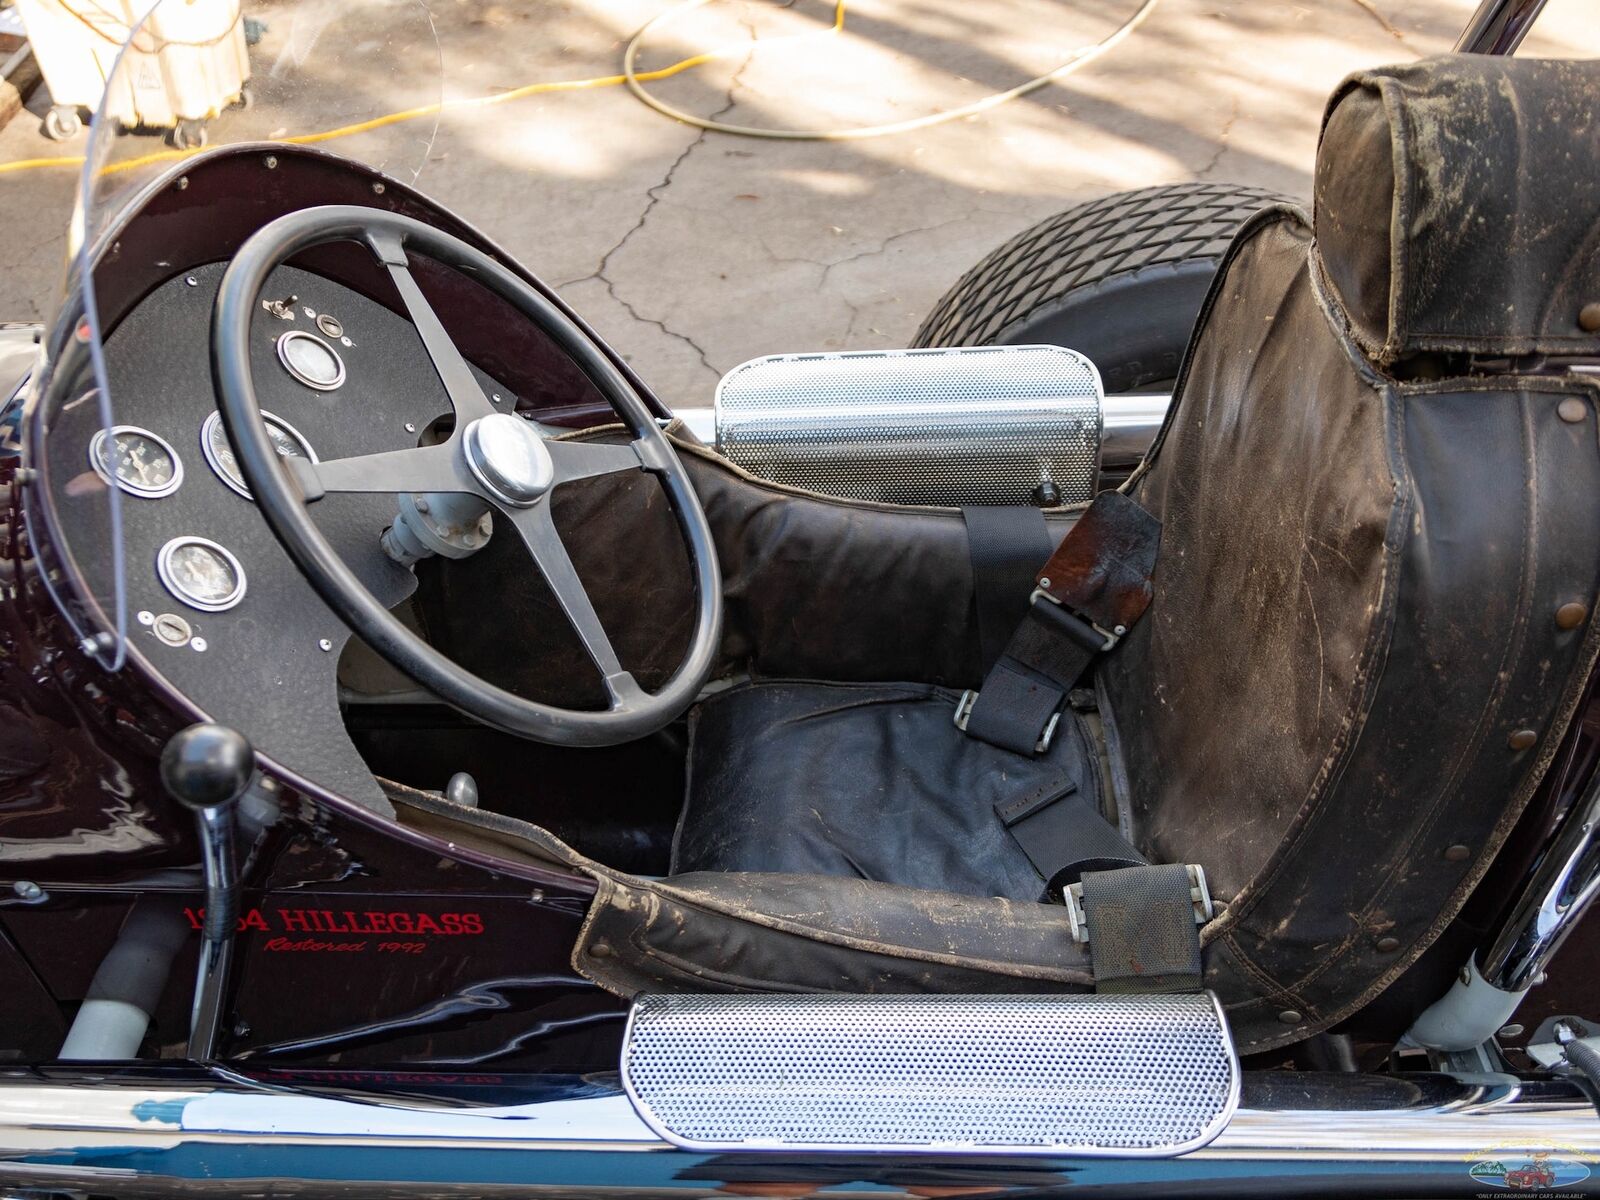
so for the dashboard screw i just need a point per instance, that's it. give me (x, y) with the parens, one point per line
(191, 281)
(378, 189)
(324, 645)
(271, 162)
(410, 428)
(183, 182)
(146, 617)
(497, 398)
(198, 645)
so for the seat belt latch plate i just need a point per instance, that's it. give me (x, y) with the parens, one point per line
(1199, 895)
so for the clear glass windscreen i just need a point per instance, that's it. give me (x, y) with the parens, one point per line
(359, 78)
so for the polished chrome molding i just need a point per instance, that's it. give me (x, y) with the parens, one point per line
(1130, 422)
(1282, 1115)
(1561, 889)
(1498, 26)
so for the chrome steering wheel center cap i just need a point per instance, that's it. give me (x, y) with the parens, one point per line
(509, 458)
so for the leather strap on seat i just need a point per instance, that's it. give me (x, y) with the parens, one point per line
(1143, 936)
(1091, 591)
(1006, 545)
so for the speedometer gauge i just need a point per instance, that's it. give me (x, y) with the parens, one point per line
(285, 439)
(201, 573)
(136, 460)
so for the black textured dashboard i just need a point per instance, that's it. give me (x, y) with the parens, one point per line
(268, 664)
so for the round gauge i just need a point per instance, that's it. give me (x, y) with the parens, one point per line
(286, 440)
(310, 360)
(136, 460)
(201, 573)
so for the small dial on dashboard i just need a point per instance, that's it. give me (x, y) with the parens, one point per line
(136, 460)
(286, 440)
(201, 573)
(310, 360)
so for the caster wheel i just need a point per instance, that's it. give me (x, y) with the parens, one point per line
(189, 135)
(62, 122)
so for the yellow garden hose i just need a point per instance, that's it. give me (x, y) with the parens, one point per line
(1080, 58)
(635, 81)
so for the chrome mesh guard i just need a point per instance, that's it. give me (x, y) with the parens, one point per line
(1101, 1075)
(982, 425)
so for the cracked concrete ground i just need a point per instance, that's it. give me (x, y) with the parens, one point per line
(693, 251)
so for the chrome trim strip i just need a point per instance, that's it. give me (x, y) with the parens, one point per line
(1451, 1120)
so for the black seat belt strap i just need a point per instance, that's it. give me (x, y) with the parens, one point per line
(1090, 592)
(1143, 926)
(1063, 836)
(1007, 545)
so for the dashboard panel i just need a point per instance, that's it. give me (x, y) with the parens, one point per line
(215, 603)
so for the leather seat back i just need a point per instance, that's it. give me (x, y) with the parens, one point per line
(1381, 542)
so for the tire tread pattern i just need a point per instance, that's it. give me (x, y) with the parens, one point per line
(1082, 245)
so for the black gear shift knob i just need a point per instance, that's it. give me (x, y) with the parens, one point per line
(207, 765)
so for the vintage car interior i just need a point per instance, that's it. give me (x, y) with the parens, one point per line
(1322, 658)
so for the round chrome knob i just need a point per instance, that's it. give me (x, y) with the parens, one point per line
(509, 458)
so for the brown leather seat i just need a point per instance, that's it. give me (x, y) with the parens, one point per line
(1372, 618)
(1380, 538)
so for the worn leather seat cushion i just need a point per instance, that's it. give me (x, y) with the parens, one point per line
(872, 781)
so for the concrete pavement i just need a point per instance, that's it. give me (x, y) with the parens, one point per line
(693, 251)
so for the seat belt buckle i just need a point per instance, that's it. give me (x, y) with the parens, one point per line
(1108, 638)
(964, 712)
(1199, 896)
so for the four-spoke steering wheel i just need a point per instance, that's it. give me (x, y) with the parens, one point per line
(497, 458)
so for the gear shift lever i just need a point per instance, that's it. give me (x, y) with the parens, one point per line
(207, 768)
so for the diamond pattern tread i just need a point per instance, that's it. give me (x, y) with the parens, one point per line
(1085, 245)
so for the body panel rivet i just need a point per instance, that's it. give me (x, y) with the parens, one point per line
(324, 645)
(1522, 739)
(1457, 853)
(1289, 1017)
(1570, 616)
(28, 890)
(1589, 317)
(1571, 410)
(1388, 945)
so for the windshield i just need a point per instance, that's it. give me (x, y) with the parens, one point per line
(360, 78)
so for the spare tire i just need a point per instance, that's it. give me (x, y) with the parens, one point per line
(1120, 279)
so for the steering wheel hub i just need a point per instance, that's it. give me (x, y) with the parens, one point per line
(509, 458)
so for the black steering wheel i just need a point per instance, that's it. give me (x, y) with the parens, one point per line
(492, 457)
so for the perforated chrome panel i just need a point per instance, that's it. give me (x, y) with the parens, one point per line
(986, 425)
(1099, 1075)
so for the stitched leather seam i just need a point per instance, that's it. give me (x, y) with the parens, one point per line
(1472, 747)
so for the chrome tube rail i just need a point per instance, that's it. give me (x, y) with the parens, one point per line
(1561, 889)
(1498, 26)
(219, 1137)
(1130, 422)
